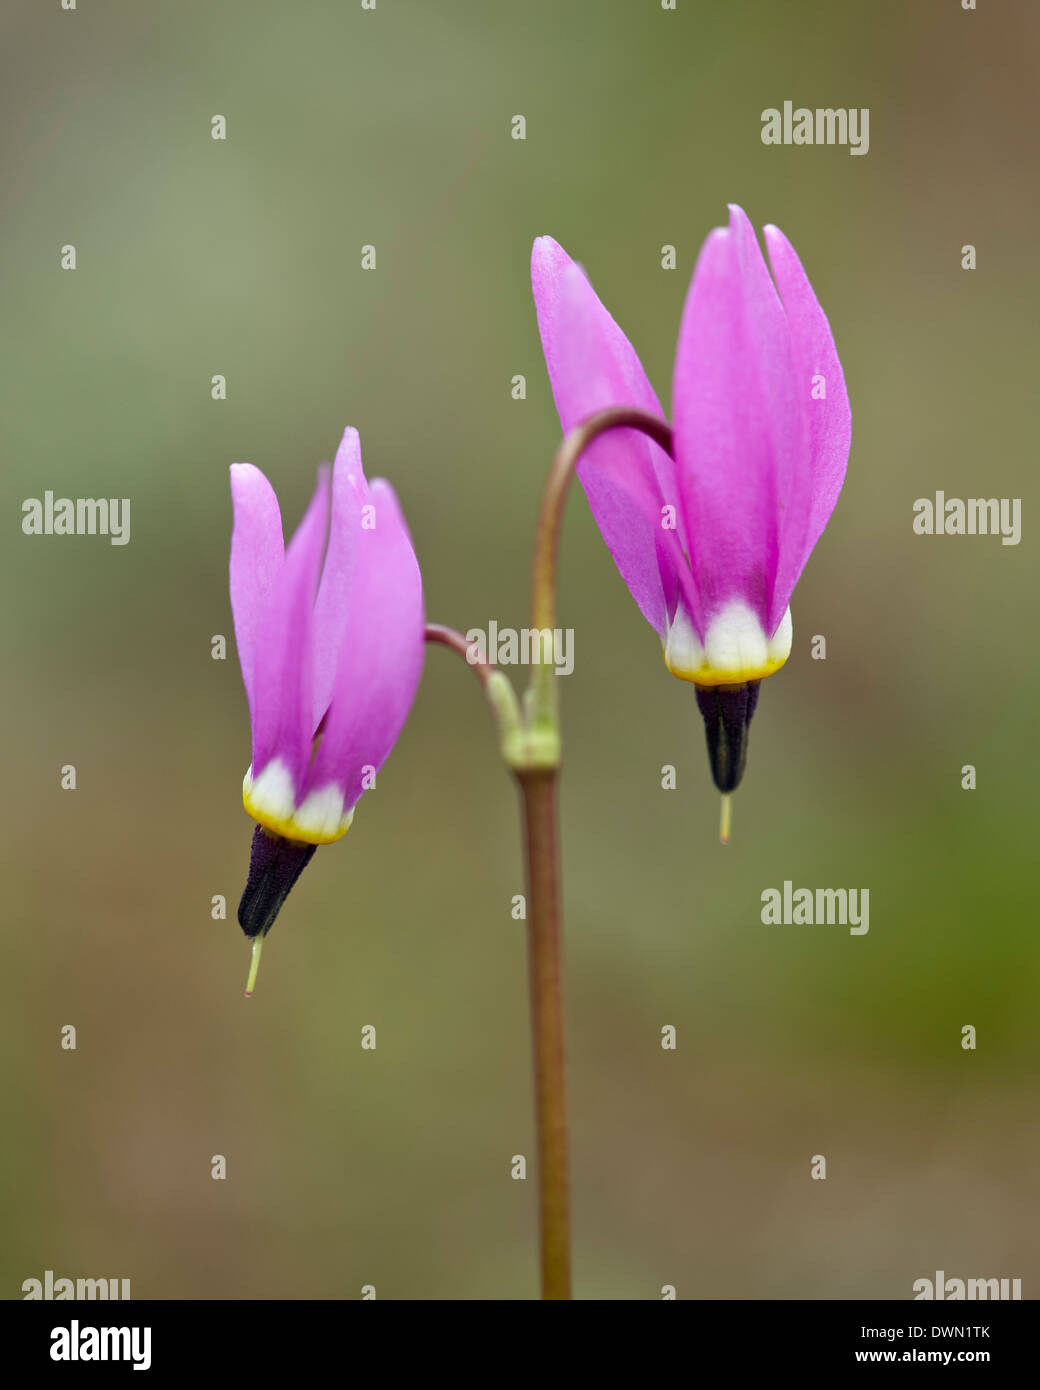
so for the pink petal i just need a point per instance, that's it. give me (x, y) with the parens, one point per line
(741, 433)
(283, 670)
(627, 478)
(257, 554)
(830, 419)
(382, 656)
(349, 492)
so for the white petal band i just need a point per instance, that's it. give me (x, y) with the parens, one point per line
(270, 799)
(735, 648)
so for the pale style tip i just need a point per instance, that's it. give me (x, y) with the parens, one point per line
(254, 965)
(726, 818)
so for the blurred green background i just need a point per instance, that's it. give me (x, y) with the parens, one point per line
(242, 258)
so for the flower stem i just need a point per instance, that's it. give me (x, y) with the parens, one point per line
(538, 790)
(531, 746)
(448, 637)
(543, 704)
(538, 796)
(501, 697)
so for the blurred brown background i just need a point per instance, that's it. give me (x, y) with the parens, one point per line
(242, 258)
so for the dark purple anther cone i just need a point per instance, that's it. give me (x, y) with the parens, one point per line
(274, 866)
(727, 711)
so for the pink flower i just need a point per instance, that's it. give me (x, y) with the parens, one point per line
(710, 544)
(330, 639)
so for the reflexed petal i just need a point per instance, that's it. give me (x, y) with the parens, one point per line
(349, 492)
(627, 478)
(283, 667)
(380, 661)
(830, 419)
(257, 553)
(741, 433)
